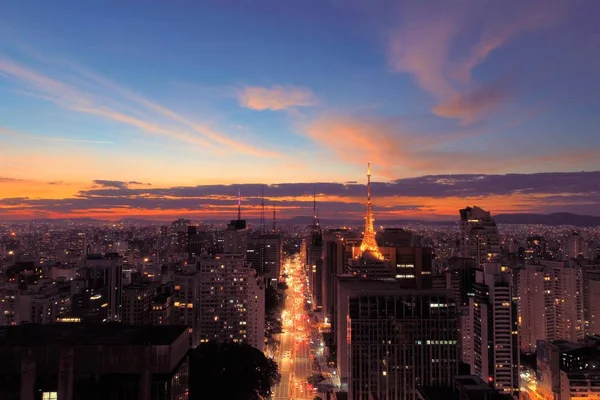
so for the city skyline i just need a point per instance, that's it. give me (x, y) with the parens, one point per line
(169, 109)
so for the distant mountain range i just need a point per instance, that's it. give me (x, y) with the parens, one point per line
(541, 219)
(549, 219)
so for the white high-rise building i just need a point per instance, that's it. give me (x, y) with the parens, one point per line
(256, 311)
(479, 238)
(568, 301)
(495, 329)
(230, 305)
(536, 306)
(551, 303)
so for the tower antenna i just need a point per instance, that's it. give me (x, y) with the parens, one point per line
(239, 204)
(369, 244)
(315, 220)
(274, 223)
(262, 212)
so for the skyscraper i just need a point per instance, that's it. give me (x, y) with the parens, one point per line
(495, 329)
(479, 237)
(391, 340)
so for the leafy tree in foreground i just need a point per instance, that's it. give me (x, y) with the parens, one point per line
(231, 371)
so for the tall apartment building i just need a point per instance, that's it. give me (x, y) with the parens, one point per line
(568, 301)
(495, 329)
(226, 310)
(186, 302)
(399, 342)
(137, 303)
(551, 303)
(264, 255)
(479, 236)
(314, 265)
(333, 262)
(536, 306)
(106, 271)
(255, 326)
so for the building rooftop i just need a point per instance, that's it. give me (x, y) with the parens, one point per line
(84, 334)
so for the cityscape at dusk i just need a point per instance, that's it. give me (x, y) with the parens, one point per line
(300, 200)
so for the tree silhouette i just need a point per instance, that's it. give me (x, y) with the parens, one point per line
(231, 371)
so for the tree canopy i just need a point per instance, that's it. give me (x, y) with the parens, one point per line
(231, 371)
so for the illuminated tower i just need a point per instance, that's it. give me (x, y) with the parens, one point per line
(369, 244)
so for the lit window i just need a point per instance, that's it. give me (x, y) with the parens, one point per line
(49, 395)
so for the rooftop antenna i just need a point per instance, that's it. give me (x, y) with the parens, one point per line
(315, 220)
(262, 212)
(274, 224)
(239, 204)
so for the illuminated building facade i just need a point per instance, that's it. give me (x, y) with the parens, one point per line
(399, 342)
(229, 308)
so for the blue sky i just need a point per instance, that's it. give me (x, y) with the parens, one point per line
(197, 92)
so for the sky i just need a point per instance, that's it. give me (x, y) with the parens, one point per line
(165, 109)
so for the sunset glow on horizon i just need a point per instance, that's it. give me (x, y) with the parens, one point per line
(169, 109)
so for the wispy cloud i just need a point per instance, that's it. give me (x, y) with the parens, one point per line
(276, 97)
(426, 42)
(88, 92)
(10, 132)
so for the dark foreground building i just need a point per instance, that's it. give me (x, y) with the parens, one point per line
(110, 361)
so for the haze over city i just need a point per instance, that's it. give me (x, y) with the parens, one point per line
(165, 109)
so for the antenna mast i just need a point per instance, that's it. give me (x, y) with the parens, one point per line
(315, 220)
(239, 204)
(274, 224)
(262, 212)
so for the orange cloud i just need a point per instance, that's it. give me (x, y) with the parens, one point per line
(470, 106)
(276, 97)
